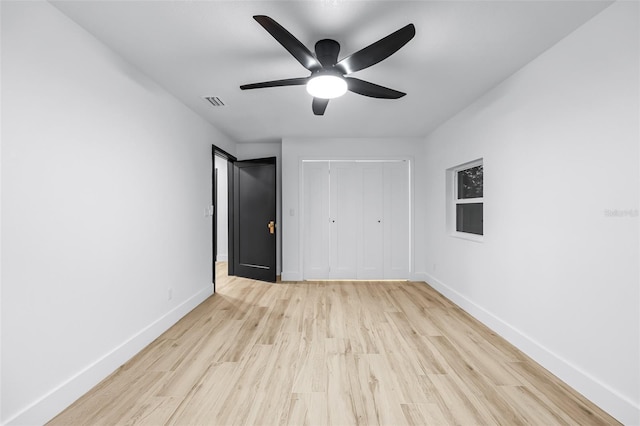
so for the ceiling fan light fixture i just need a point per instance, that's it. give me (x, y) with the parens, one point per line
(327, 79)
(327, 86)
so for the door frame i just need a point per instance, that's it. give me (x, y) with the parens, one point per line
(219, 152)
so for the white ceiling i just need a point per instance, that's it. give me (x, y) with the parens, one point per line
(209, 48)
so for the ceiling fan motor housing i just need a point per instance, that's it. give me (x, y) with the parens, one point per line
(327, 52)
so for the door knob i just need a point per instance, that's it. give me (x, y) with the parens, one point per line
(272, 227)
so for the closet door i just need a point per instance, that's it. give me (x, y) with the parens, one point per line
(371, 244)
(316, 228)
(397, 239)
(346, 211)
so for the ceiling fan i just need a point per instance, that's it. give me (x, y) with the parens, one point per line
(328, 77)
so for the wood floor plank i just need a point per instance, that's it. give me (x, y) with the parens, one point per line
(205, 400)
(241, 396)
(342, 409)
(155, 410)
(367, 411)
(456, 403)
(417, 345)
(274, 396)
(385, 391)
(402, 364)
(330, 353)
(423, 414)
(308, 409)
(550, 389)
(311, 377)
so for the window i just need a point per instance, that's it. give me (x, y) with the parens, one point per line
(468, 194)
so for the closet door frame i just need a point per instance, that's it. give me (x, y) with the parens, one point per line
(410, 172)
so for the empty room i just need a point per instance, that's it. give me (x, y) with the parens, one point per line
(272, 212)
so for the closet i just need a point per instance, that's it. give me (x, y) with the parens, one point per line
(356, 219)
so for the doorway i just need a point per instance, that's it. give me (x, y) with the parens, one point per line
(221, 200)
(244, 216)
(221, 210)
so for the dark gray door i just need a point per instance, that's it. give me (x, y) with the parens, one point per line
(254, 219)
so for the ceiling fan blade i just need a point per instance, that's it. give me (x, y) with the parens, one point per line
(365, 88)
(277, 83)
(319, 105)
(377, 51)
(289, 42)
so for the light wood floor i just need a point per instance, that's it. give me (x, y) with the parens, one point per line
(330, 353)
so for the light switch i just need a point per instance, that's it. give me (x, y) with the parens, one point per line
(292, 212)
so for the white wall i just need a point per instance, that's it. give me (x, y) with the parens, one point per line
(248, 151)
(555, 274)
(222, 212)
(294, 150)
(105, 181)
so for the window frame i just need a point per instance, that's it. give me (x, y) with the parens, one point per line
(455, 201)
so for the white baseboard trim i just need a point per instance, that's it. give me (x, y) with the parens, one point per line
(291, 276)
(222, 258)
(51, 404)
(419, 276)
(617, 405)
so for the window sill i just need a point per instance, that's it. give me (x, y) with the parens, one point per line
(467, 236)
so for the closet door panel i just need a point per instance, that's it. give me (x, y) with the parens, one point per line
(397, 223)
(345, 217)
(371, 253)
(316, 229)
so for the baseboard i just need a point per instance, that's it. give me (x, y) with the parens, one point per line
(297, 276)
(617, 405)
(222, 258)
(51, 404)
(291, 276)
(419, 276)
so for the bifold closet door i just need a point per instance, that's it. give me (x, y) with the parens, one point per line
(346, 211)
(356, 220)
(397, 223)
(315, 220)
(372, 222)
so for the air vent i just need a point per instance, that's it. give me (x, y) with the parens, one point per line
(214, 100)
